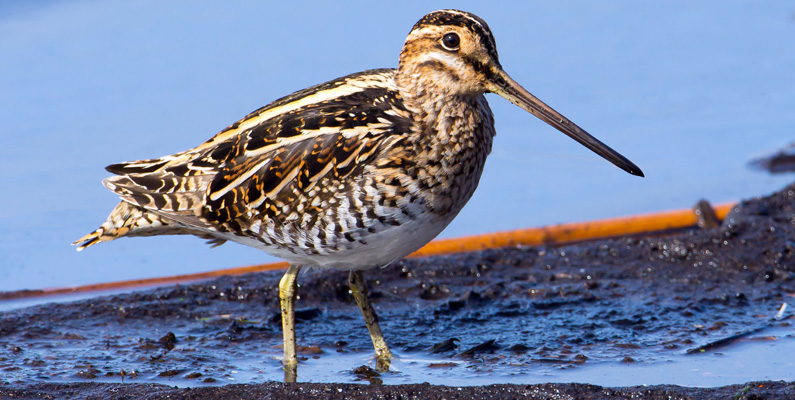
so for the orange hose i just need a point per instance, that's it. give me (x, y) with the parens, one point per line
(146, 282)
(548, 235)
(571, 233)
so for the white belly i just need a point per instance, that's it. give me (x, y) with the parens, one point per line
(380, 249)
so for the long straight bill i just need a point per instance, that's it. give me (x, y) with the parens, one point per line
(506, 87)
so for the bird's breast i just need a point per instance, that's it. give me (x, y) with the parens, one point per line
(450, 152)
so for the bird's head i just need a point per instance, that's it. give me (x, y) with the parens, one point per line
(451, 52)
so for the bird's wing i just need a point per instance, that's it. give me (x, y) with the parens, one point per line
(273, 157)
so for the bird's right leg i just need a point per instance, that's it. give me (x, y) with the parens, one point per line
(383, 357)
(287, 287)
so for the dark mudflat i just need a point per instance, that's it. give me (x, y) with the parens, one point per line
(275, 390)
(499, 311)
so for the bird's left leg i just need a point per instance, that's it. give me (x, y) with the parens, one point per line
(287, 287)
(383, 357)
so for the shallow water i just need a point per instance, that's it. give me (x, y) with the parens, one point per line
(675, 86)
(745, 362)
(750, 361)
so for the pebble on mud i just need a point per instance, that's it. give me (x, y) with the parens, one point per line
(309, 350)
(443, 365)
(366, 373)
(445, 346)
(86, 374)
(168, 341)
(488, 346)
(169, 373)
(518, 349)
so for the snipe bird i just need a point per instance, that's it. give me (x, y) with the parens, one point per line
(351, 174)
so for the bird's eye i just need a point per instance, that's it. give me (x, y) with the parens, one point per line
(450, 41)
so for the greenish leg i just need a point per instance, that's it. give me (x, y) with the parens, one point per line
(287, 288)
(383, 356)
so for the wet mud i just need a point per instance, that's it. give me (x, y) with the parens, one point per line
(783, 161)
(311, 391)
(497, 312)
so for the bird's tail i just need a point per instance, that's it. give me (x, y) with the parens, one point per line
(128, 220)
(121, 220)
(131, 220)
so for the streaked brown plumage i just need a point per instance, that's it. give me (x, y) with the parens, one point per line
(353, 173)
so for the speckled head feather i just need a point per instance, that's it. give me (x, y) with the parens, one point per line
(466, 20)
(463, 66)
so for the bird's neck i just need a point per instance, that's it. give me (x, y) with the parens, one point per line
(453, 135)
(440, 112)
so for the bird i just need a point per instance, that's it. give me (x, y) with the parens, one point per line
(351, 174)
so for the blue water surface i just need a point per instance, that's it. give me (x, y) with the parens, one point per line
(690, 91)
